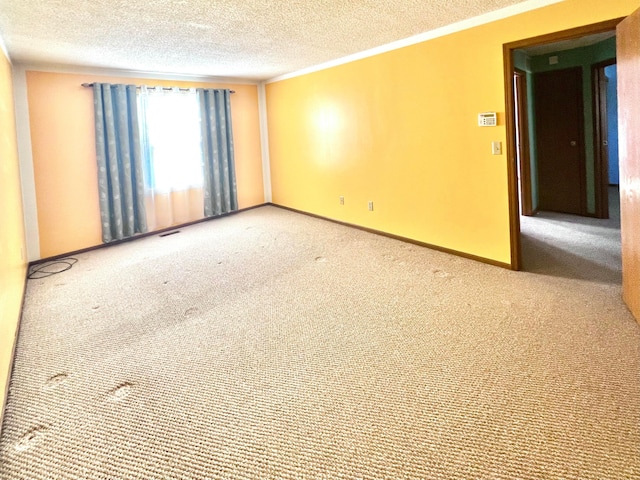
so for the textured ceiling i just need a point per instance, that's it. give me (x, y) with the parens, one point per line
(253, 39)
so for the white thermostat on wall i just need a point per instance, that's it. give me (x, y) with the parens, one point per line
(487, 119)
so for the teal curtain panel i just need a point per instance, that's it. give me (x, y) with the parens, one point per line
(220, 190)
(119, 157)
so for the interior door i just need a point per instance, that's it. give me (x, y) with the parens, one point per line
(560, 141)
(628, 53)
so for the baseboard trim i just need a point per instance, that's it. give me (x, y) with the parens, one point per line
(339, 222)
(450, 251)
(5, 394)
(140, 235)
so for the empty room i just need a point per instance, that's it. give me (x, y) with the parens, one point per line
(318, 240)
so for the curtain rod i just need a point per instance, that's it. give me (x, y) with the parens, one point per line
(153, 88)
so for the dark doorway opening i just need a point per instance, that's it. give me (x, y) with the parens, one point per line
(605, 99)
(523, 159)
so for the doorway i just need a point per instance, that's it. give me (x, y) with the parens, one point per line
(605, 97)
(514, 169)
(523, 158)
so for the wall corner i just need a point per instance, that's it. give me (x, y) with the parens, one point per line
(264, 141)
(25, 156)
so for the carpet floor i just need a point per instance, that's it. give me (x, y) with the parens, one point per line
(272, 345)
(572, 246)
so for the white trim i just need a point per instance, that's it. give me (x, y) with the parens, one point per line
(423, 37)
(25, 154)
(113, 72)
(264, 142)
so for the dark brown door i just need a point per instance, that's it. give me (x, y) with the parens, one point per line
(560, 141)
(628, 52)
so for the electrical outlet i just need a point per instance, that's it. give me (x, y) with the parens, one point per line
(341, 200)
(371, 206)
(496, 148)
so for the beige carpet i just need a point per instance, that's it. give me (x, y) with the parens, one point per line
(271, 345)
(571, 246)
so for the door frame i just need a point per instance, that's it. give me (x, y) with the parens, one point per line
(600, 128)
(522, 121)
(508, 48)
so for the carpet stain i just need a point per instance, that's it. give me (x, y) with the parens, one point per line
(191, 312)
(31, 438)
(321, 259)
(56, 380)
(121, 392)
(440, 273)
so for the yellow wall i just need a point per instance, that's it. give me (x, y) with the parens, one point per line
(63, 144)
(12, 241)
(400, 129)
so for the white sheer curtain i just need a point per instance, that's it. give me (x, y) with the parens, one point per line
(172, 147)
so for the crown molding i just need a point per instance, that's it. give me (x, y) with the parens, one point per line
(423, 37)
(140, 74)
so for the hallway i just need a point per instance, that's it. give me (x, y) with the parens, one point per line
(572, 246)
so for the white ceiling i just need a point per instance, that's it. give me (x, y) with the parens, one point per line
(585, 41)
(252, 39)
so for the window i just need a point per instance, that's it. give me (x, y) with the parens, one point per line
(170, 124)
(157, 148)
